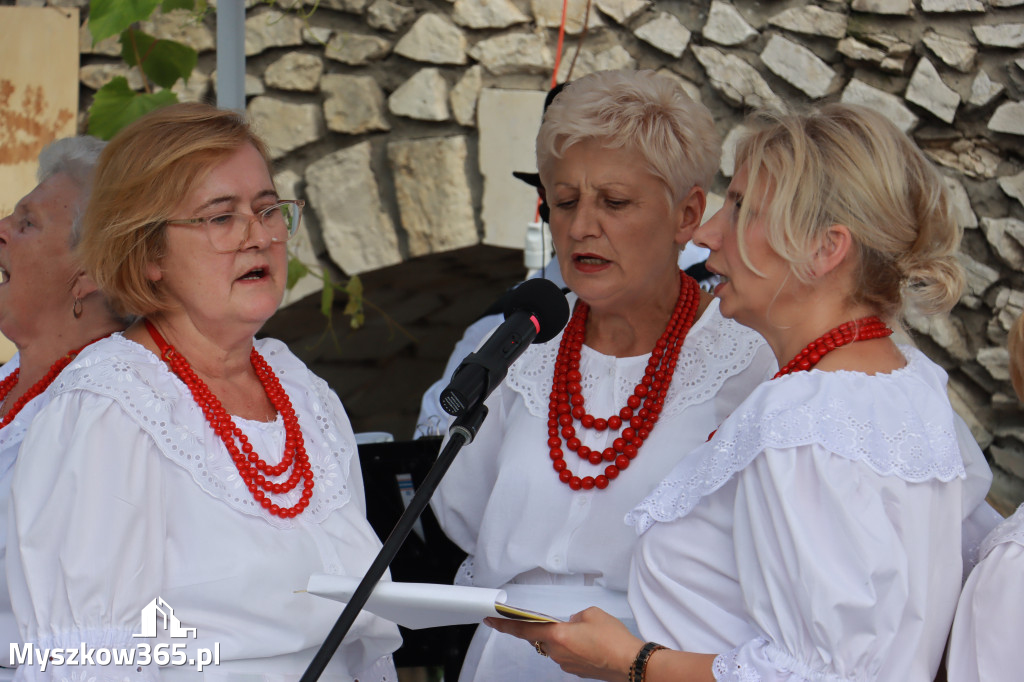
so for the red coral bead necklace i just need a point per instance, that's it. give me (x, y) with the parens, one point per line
(864, 329)
(566, 403)
(251, 467)
(8, 384)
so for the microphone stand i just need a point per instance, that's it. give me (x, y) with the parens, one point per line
(462, 432)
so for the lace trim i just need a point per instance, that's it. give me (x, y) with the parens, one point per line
(382, 670)
(898, 424)
(160, 404)
(714, 350)
(466, 573)
(727, 668)
(1010, 530)
(739, 665)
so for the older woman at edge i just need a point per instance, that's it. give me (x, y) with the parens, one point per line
(586, 424)
(816, 535)
(183, 466)
(49, 308)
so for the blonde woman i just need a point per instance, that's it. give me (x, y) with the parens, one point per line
(815, 536)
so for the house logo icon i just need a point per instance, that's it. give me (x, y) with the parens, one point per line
(157, 609)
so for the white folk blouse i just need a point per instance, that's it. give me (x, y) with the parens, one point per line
(816, 536)
(123, 494)
(985, 645)
(502, 502)
(10, 440)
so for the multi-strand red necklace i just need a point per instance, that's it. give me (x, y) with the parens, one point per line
(253, 469)
(8, 384)
(566, 404)
(864, 329)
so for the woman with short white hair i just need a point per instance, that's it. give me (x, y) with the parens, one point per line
(584, 425)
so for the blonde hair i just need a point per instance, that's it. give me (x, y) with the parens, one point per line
(847, 165)
(144, 173)
(639, 111)
(1015, 344)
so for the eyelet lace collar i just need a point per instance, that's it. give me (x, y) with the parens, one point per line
(898, 424)
(714, 350)
(160, 404)
(1010, 530)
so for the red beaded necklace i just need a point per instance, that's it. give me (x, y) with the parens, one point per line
(863, 329)
(566, 404)
(249, 464)
(8, 384)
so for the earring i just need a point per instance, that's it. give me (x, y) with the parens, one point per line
(76, 309)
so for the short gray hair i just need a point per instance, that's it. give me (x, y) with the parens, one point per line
(77, 158)
(639, 111)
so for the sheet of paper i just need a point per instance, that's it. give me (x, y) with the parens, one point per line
(424, 605)
(427, 605)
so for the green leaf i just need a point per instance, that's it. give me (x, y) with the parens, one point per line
(327, 296)
(168, 5)
(116, 105)
(354, 288)
(296, 271)
(354, 306)
(110, 17)
(163, 61)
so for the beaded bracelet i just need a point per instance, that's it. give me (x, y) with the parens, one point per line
(638, 670)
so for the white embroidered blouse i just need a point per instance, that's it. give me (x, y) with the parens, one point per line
(503, 503)
(985, 645)
(10, 441)
(816, 536)
(124, 494)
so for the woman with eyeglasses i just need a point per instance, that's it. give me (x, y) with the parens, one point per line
(186, 480)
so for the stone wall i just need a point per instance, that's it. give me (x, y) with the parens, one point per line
(370, 107)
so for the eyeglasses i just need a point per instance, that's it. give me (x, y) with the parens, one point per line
(227, 232)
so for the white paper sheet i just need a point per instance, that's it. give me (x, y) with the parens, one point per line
(427, 605)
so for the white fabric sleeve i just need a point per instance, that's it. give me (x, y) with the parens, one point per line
(979, 516)
(985, 645)
(90, 536)
(845, 573)
(432, 420)
(461, 498)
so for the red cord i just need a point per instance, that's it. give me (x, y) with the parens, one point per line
(561, 40)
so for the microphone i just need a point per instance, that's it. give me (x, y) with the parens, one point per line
(535, 312)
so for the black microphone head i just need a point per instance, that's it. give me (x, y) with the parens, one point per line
(545, 301)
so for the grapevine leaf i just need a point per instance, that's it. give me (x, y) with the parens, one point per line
(116, 105)
(296, 271)
(327, 296)
(354, 306)
(110, 17)
(163, 61)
